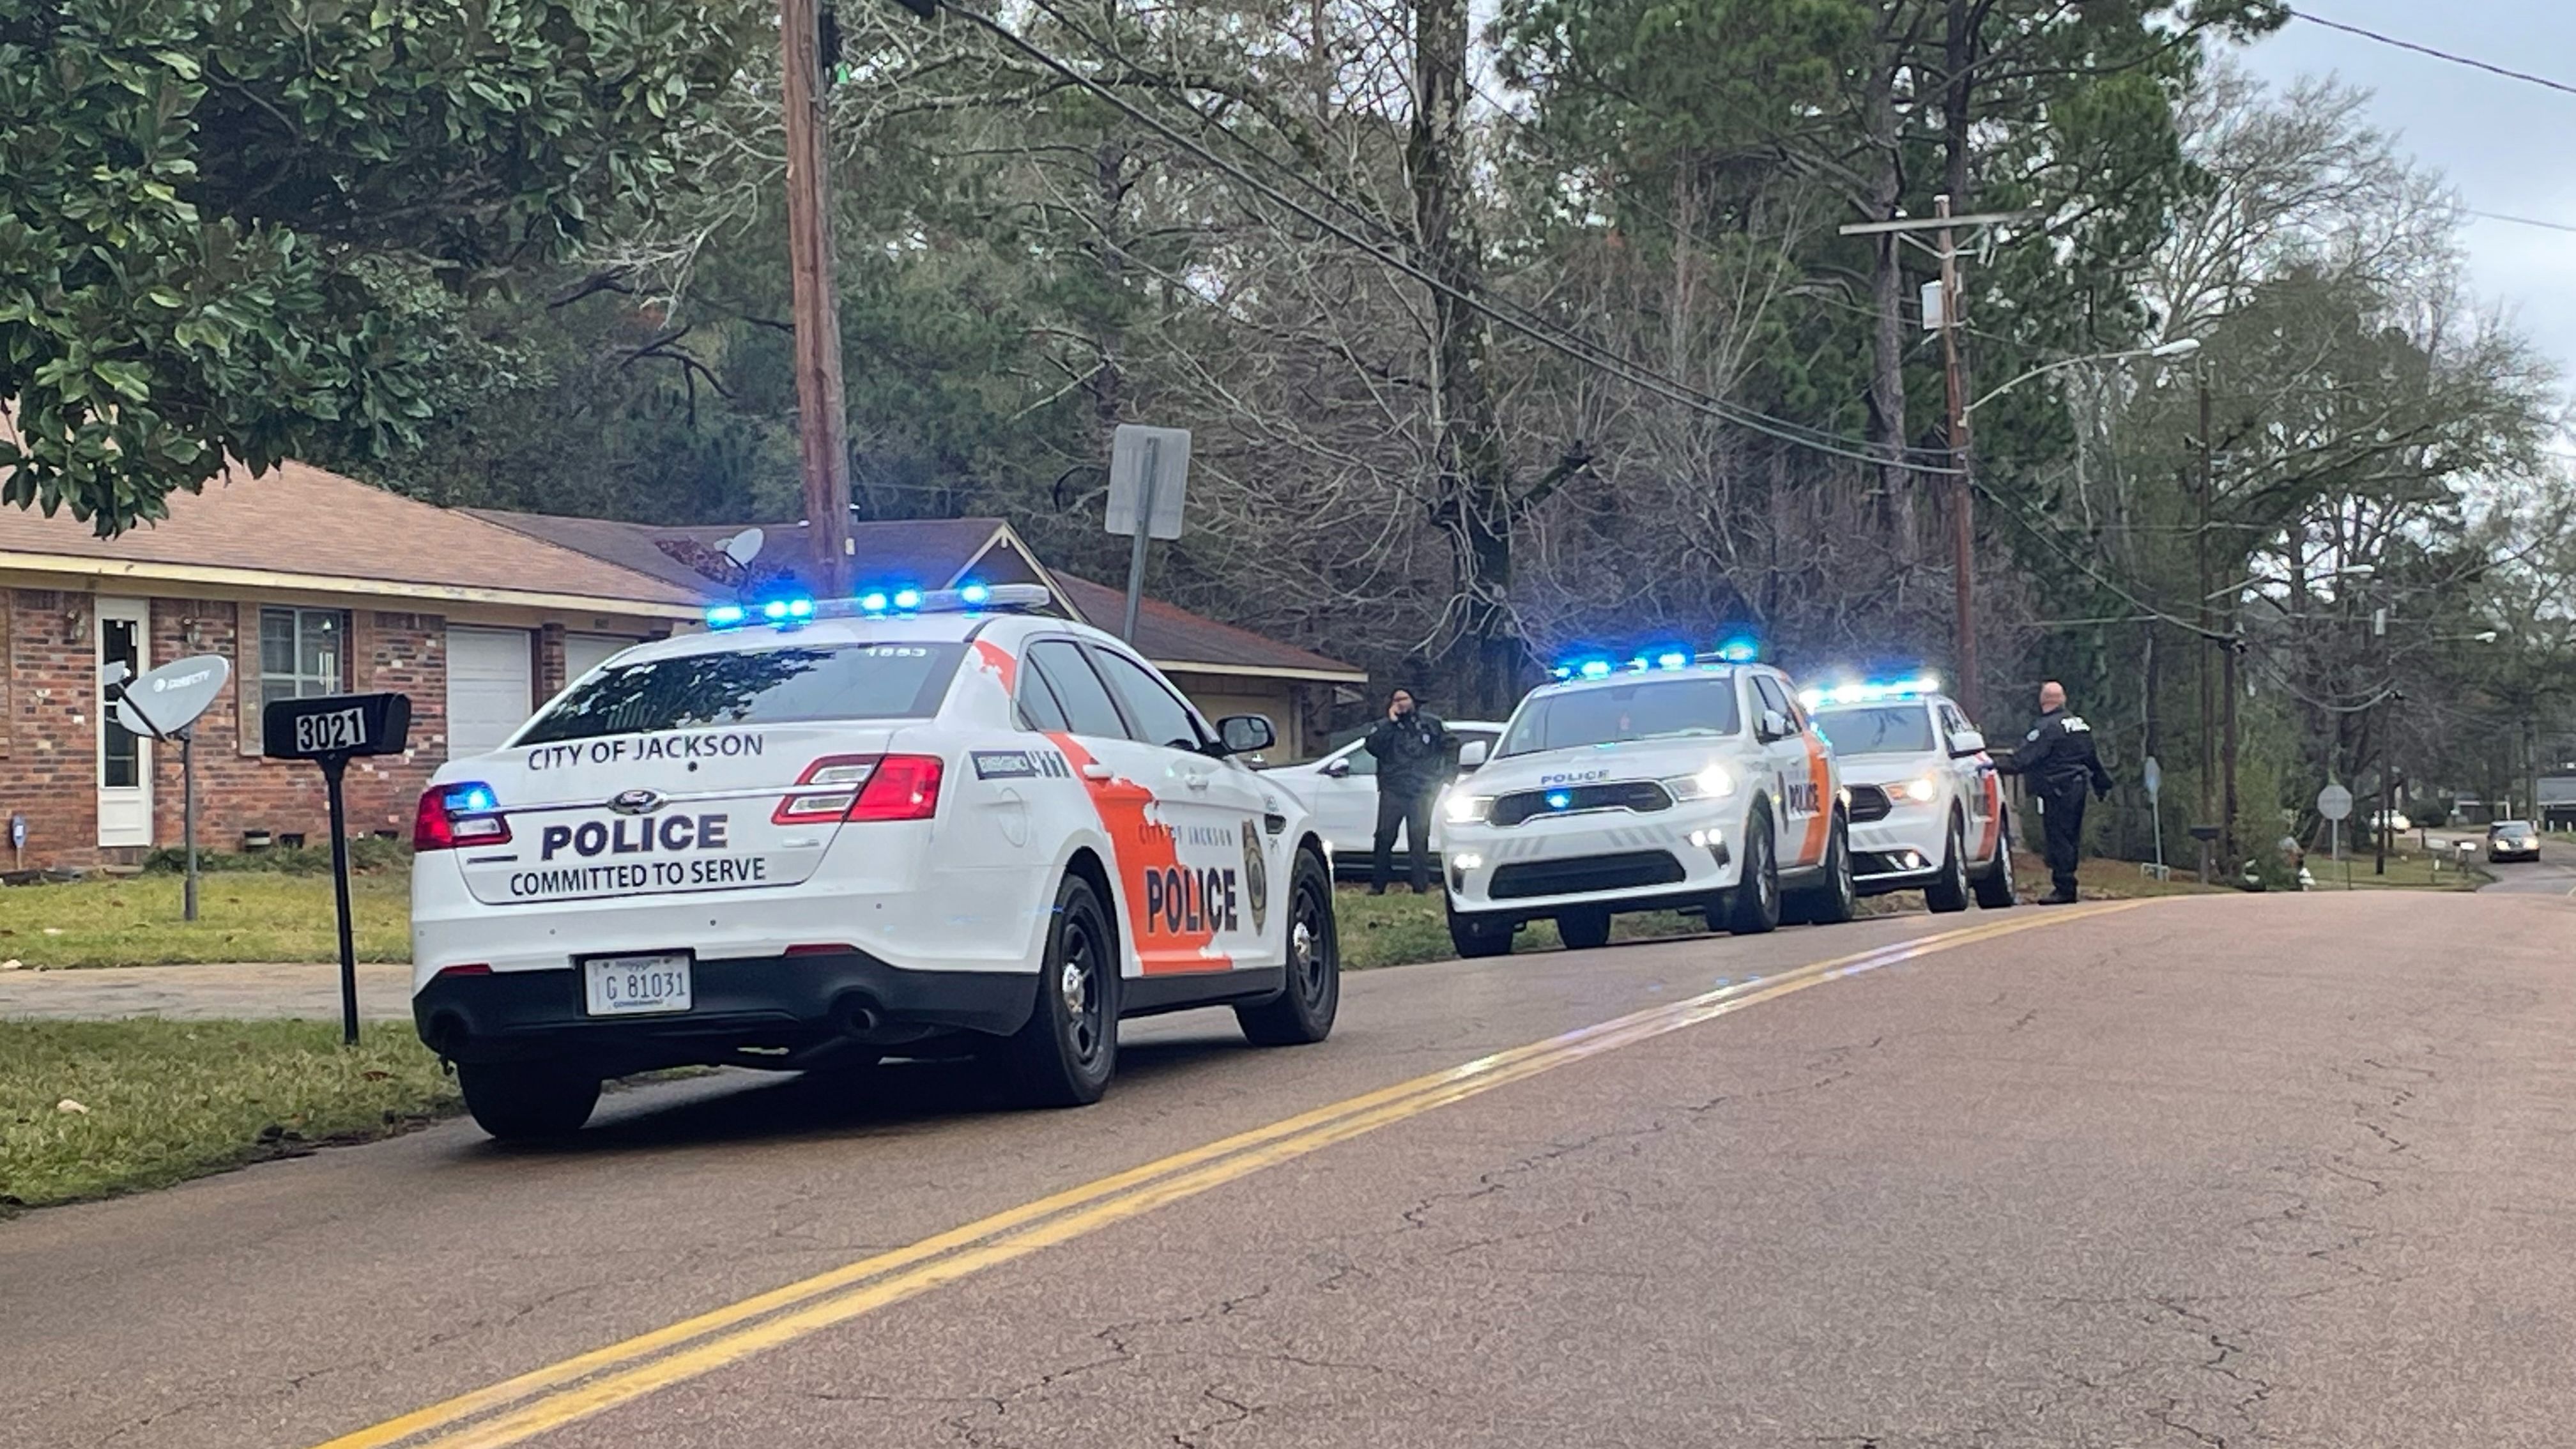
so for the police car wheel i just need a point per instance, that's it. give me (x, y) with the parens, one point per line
(1066, 1052)
(1996, 890)
(1949, 891)
(1584, 930)
(1834, 901)
(1753, 907)
(527, 1101)
(1302, 1014)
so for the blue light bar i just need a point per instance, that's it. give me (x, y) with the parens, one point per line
(1594, 669)
(1879, 691)
(873, 601)
(907, 598)
(724, 616)
(1672, 659)
(1741, 649)
(974, 596)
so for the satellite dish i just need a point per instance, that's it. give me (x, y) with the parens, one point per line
(159, 704)
(743, 547)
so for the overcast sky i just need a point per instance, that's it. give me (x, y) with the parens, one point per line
(2506, 145)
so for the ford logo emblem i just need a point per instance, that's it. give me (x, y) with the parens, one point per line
(634, 802)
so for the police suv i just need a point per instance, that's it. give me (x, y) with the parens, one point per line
(825, 833)
(1674, 782)
(1927, 807)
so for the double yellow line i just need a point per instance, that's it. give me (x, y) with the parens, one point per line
(542, 1399)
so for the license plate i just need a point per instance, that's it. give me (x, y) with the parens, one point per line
(636, 985)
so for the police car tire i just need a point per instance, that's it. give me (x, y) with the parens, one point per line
(1303, 1011)
(1061, 1056)
(1475, 937)
(527, 1101)
(1996, 890)
(1584, 930)
(1836, 900)
(1949, 891)
(1753, 907)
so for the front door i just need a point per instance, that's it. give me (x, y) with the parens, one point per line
(124, 758)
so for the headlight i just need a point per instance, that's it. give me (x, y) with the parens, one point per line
(1923, 790)
(1708, 784)
(1467, 809)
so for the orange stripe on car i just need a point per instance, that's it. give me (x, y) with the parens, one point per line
(1145, 856)
(992, 656)
(1820, 826)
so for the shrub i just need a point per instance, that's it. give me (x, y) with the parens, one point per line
(367, 855)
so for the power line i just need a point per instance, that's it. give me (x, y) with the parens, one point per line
(2445, 55)
(2525, 221)
(1571, 345)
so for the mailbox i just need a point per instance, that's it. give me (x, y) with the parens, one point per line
(336, 726)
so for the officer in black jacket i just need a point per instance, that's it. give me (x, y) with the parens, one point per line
(2056, 759)
(1413, 750)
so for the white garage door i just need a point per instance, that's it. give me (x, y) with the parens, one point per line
(489, 688)
(586, 652)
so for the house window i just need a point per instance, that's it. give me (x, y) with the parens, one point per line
(302, 652)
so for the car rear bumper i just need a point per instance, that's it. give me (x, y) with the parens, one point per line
(748, 1011)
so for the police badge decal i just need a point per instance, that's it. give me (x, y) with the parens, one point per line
(1256, 875)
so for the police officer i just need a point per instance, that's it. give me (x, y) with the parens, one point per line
(1412, 748)
(2057, 760)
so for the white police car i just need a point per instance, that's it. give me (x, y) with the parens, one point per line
(894, 825)
(1675, 782)
(1927, 808)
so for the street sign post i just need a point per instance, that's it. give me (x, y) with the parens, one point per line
(163, 705)
(1149, 475)
(330, 730)
(2334, 802)
(2154, 779)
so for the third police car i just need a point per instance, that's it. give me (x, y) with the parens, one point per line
(1675, 781)
(1927, 809)
(823, 833)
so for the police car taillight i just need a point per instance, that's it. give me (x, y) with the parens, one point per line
(863, 787)
(457, 817)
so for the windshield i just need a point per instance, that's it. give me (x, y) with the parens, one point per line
(2512, 827)
(1646, 710)
(1896, 729)
(753, 686)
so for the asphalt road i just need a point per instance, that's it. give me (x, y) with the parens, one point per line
(2206, 1171)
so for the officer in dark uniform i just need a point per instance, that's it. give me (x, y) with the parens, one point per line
(2056, 759)
(1413, 749)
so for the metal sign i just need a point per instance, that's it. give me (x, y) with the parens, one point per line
(1149, 475)
(336, 726)
(2155, 779)
(330, 730)
(2334, 802)
(159, 704)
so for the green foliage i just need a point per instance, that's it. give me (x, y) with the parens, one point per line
(221, 220)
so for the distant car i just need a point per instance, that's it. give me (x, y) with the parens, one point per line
(2513, 840)
(1340, 791)
(2394, 821)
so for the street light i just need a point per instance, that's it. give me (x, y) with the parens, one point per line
(2179, 347)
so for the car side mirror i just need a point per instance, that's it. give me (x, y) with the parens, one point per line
(1774, 726)
(1474, 753)
(1966, 743)
(1338, 770)
(1245, 733)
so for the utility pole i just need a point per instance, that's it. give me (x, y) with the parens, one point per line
(2208, 712)
(1962, 526)
(2387, 750)
(822, 430)
(1962, 530)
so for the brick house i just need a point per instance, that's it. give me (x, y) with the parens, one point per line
(312, 583)
(309, 583)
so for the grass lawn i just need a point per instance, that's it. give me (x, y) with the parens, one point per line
(2404, 871)
(241, 916)
(169, 1100)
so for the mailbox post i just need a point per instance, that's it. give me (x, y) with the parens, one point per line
(331, 730)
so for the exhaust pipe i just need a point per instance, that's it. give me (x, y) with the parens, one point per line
(858, 1016)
